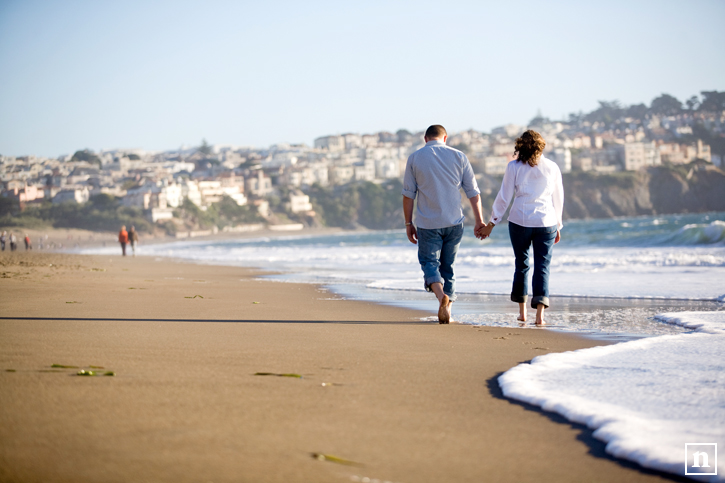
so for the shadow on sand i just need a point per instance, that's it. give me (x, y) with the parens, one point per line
(596, 447)
(235, 321)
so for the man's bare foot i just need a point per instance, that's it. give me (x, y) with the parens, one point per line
(444, 314)
(521, 318)
(540, 322)
(450, 311)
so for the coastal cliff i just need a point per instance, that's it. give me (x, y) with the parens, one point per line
(657, 190)
(692, 188)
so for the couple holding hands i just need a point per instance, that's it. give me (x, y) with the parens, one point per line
(435, 174)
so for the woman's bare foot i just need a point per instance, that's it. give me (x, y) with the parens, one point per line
(522, 313)
(540, 314)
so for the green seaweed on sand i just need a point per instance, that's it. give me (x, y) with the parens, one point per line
(10, 370)
(278, 375)
(334, 459)
(74, 302)
(83, 372)
(63, 366)
(255, 302)
(195, 296)
(96, 367)
(109, 373)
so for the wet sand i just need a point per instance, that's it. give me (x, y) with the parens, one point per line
(396, 399)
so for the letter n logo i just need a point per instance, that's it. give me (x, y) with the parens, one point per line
(696, 458)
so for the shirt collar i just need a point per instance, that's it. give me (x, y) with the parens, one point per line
(433, 142)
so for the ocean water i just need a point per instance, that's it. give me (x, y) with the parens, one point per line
(656, 285)
(609, 277)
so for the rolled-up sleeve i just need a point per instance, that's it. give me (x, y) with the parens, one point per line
(468, 180)
(504, 194)
(410, 187)
(558, 200)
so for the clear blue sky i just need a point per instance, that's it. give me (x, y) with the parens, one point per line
(159, 74)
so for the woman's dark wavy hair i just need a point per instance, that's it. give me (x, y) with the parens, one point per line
(529, 147)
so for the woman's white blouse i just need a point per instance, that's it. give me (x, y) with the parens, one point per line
(537, 191)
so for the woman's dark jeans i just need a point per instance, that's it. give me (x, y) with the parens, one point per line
(542, 239)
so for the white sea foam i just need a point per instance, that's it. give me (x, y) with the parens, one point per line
(644, 398)
(654, 272)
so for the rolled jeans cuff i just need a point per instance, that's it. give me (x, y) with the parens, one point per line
(539, 299)
(429, 281)
(519, 299)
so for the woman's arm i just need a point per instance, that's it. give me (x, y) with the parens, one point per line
(503, 198)
(504, 194)
(558, 199)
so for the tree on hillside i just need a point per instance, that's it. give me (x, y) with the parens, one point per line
(608, 112)
(104, 202)
(233, 213)
(204, 149)
(88, 156)
(665, 105)
(403, 135)
(463, 147)
(712, 101)
(575, 117)
(539, 120)
(636, 111)
(692, 103)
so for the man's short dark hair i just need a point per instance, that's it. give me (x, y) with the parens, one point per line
(435, 131)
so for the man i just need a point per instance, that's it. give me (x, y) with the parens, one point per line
(435, 173)
(123, 239)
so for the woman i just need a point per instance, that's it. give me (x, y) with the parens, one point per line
(133, 239)
(535, 218)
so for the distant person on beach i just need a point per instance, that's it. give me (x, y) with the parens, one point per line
(534, 182)
(13, 242)
(123, 239)
(3, 238)
(133, 239)
(28, 243)
(434, 174)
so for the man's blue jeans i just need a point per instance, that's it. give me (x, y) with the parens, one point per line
(542, 239)
(437, 250)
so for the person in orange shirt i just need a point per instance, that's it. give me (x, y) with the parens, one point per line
(123, 239)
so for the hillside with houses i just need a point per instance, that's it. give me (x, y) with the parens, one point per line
(617, 160)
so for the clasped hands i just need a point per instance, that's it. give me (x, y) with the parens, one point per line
(482, 231)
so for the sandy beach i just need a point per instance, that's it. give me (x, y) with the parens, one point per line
(385, 396)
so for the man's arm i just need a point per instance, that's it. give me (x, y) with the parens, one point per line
(477, 213)
(409, 227)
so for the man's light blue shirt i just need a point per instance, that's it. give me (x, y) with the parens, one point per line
(436, 173)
